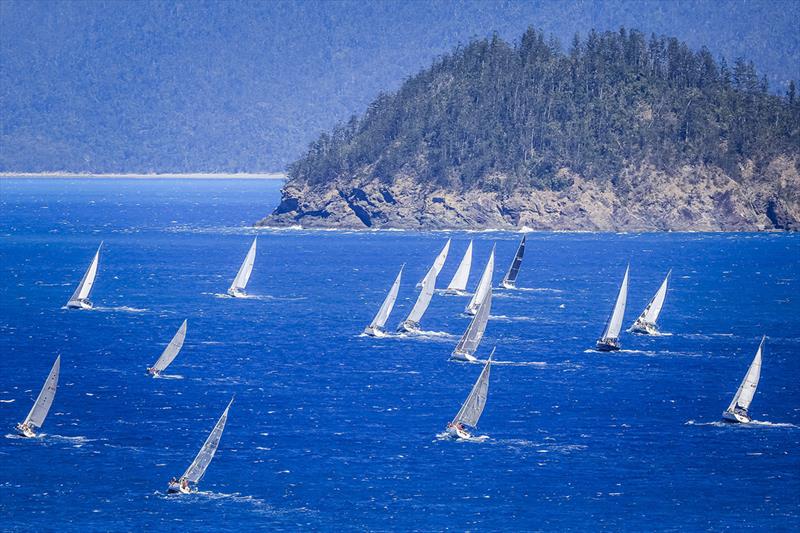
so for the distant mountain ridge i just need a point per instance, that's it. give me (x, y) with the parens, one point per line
(618, 132)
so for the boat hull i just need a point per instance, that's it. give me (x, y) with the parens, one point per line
(458, 356)
(175, 488)
(374, 332)
(607, 345)
(456, 433)
(79, 304)
(644, 328)
(508, 285)
(729, 416)
(25, 431)
(234, 293)
(408, 326)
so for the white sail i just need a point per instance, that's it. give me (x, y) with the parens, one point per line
(469, 342)
(472, 409)
(651, 312)
(438, 263)
(388, 304)
(45, 399)
(198, 467)
(615, 320)
(460, 278)
(744, 396)
(243, 276)
(483, 286)
(424, 297)
(510, 278)
(87, 281)
(172, 349)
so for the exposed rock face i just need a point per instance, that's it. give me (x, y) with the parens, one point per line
(642, 199)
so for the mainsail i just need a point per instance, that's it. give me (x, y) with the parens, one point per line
(511, 276)
(438, 263)
(45, 399)
(459, 281)
(87, 281)
(471, 410)
(423, 299)
(483, 286)
(615, 320)
(172, 349)
(651, 312)
(388, 304)
(198, 467)
(243, 276)
(469, 342)
(744, 396)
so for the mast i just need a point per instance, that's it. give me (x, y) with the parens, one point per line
(388, 303)
(614, 324)
(171, 351)
(243, 276)
(198, 468)
(483, 285)
(424, 298)
(43, 402)
(653, 309)
(87, 281)
(438, 263)
(744, 395)
(460, 278)
(472, 337)
(513, 271)
(472, 408)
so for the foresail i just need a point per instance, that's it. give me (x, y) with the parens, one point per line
(87, 281)
(477, 327)
(472, 409)
(483, 285)
(513, 270)
(460, 278)
(243, 276)
(172, 349)
(653, 309)
(198, 467)
(388, 303)
(615, 321)
(424, 297)
(45, 399)
(744, 396)
(438, 263)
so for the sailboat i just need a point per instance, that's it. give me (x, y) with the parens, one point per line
(375, 327)
(80, 298)
(609, 342)
(170, 352)
(483, 286)
(468, 345)
(243, 276)
(737, 411)
(646, 323)
(188, 481)
(510, 279)
(438, 263)
(41, 406)
(411, 323)
(472, 408)
(459, 282)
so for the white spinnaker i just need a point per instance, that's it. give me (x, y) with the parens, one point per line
(472, 409)
(460, 278)
(744, 396)
(198, 467)
(388, 303)
(243, 276)
(615, 321)
(472, 336)
(87, 281)
(483, 285)
(424, 297)
(651, 312)
(172, 349)
(45, 399)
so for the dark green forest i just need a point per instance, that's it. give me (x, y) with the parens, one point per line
(526, 110)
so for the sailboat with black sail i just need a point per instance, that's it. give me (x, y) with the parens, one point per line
(510, 279)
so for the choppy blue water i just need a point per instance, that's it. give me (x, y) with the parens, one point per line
(333, 431)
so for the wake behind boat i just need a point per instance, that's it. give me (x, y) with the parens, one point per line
(80, 298)
(510, 279)
(375, 327)
(609, 341)
(41, 406)
(472, 408)
(243, 276)
(483, 286)
(738, 410)
(170, 352)
(646, 323)
(189, 480)
(468, 345)
(458, 285)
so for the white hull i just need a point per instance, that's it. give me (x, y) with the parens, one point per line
(408, 327)
(234, 293)
(508, 285)
(457, 356)
(374, 332)
(25, 431)
(457, 433)
(79, 304)
(644, 328)
(154, 373)
(736, 417)
(175, 488)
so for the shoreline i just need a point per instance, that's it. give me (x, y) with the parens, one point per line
(167, 175)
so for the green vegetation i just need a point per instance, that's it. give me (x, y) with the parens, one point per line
(527, 110)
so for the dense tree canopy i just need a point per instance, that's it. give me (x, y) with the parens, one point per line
(526, 110)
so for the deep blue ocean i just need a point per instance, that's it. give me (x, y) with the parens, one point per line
(334, 431)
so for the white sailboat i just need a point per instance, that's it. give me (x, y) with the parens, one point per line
(472, 409)
(737, 411)
(510, 279)
(411, 323)
(459, 282)
(609, 342)
(646, 323)
(80, 298)
(375, 327)
(170, 352)
(483, 286)
(438, 263)
(188, 481)
(41, 406)
(468, 345)
(243, 276)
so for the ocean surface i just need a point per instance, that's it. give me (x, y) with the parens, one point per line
(334, 431)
